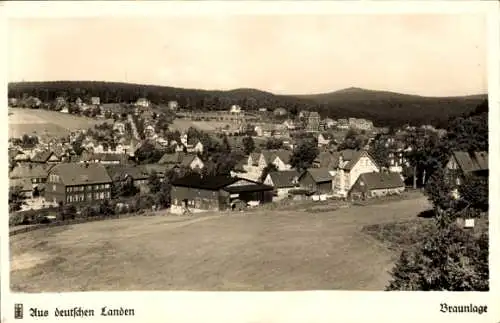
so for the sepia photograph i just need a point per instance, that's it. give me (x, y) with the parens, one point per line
(249, 152)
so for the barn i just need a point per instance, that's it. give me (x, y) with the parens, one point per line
(196, 193)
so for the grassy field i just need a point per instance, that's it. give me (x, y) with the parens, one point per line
(30, 121)
(262, 250)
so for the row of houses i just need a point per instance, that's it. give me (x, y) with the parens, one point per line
(344, 174)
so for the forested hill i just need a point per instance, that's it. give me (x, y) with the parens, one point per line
(383, 108)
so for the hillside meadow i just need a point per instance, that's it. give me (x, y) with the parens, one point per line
(261, 250)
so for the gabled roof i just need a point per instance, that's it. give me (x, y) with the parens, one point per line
(319, 175)
(177, 158)
(270, 155)
(471, 162)
(282, 179)
(42, 156)
(284, 155)
(255, 157)
(81, 173)
(350, 158)
(30, 171)
(381, 180)
(205, 182)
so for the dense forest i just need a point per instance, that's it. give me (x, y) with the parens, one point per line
(383, 108)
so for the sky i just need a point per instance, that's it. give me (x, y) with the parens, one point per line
(434, 55)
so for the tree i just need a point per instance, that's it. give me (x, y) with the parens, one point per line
(380, 152)
(274, 143)
(353, 140)
(438, 190)
(474, 192)
(16, 199)
(446, 259)
(147, 153)
(226, 147)
(305, 153)
(248, 145)
(154, 183)
(266, 170)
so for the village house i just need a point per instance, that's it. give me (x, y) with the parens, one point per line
(290, 124)
(121, 174)
(317, 181)
(142, 102)
(350, 165)
(182, 159)
(313, 122)
(78, 182)
(196, 193)
(343, 124)
(264, 130)
(346, 165)
(280, 158)
(462, 164)
(60, 102)
(173, 105)
(36, 173)
(159, 170)
(113, 109)
(324, 139)
(360, 124)
(95, 100)
(235, 109)
(189, 145)
(397, 160)
(252, 161)
(119, 127)
(280, 112)
(377, 184)
(303, 114)
(282, 182)
(329, 123)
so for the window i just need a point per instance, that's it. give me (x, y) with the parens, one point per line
(106, 186)
(101, 195)
(53, 187)
(108, 195)
(89, 196)
(67, 199)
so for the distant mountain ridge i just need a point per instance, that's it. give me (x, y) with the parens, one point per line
(358, 94)
(383, 107)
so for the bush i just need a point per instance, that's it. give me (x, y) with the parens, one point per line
(447, 259)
